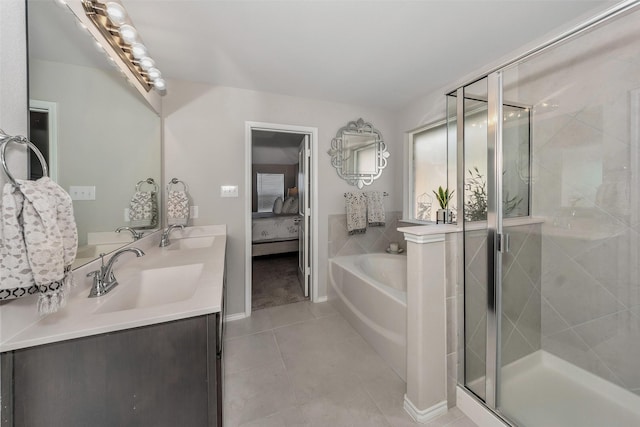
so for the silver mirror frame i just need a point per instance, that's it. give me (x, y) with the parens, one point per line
(359, 127)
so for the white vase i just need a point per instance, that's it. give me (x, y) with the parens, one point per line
(444, 216)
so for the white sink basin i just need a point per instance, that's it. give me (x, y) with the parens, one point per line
(191, 243)
(153, 287)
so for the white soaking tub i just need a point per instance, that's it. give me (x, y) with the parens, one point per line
(370, 291)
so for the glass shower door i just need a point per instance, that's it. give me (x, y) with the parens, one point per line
(472, 135)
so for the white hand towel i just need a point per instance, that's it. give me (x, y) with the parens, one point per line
(49, 240)
(177, 207)
(375, 209)
(141, 209)
(356, 204)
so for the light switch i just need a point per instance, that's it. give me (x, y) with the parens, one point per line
(228, 191)
(78, 192)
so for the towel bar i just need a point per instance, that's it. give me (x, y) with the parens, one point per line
(6, 139)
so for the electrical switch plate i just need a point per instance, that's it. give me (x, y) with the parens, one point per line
(228, 191)
(78, 192)
(193, 212)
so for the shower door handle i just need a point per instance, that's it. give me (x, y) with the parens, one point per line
(503, 243)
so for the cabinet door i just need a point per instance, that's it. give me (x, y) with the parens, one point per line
(151, 376)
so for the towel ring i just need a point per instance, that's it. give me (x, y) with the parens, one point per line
(175, 181)
(149, 181)
(6, 139)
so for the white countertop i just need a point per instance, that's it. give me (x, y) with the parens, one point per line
(80, 317)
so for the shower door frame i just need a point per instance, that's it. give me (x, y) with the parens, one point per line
(497, 241)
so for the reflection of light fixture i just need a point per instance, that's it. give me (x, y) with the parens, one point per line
(113, 22)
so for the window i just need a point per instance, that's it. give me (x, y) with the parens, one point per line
(270, 186)
(427, 171)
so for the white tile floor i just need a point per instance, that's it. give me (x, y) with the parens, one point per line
(303, 365)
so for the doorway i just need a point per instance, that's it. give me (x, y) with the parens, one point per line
(43, 134)
(280, 215)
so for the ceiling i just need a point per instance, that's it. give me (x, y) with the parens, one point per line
(371, 53)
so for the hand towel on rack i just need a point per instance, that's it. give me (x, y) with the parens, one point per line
(356, 204)
(141, 208)
(49, 239)
(177, 207)
(375, 209)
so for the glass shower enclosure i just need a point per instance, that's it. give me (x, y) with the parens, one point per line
(548, 169)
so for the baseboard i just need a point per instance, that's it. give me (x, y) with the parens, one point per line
(476, 411)
(422, 416)
(321, 299)
(236, 316)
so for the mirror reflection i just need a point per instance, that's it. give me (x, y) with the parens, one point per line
(358, 153)
(100, 136)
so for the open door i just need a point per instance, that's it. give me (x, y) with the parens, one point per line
(304, 212)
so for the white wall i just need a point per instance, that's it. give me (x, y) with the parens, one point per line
(205, 146)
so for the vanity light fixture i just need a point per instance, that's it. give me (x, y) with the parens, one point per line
(113, 22)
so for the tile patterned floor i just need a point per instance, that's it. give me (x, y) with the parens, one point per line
(302, 364)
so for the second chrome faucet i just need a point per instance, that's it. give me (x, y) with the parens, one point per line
(164, 241)
(104, 280)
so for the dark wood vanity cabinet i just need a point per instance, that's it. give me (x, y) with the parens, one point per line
(159, 375)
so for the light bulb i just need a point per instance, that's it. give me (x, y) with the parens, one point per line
(154, 73)
(138, 50)
(146, 63)
(160, 84)
(128, 33)
(116, 13)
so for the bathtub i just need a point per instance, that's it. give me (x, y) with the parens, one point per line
(370, 291)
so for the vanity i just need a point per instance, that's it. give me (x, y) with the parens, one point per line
(148, 353)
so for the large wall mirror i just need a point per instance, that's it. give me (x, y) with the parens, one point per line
(101, 131)
(358, 153)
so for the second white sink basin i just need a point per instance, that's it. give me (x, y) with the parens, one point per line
(153, 287)
(191, 243)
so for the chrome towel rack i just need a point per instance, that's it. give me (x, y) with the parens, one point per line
(6, 139)
(176, 181)
(149, 181)
(385, 194)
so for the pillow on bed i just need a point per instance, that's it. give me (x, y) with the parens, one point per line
(277, 206)
(290, 205)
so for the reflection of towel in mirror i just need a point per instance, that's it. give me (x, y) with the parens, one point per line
(141, 208)
(177, 207)
(37, 220)
(356, 204)
(375, 209)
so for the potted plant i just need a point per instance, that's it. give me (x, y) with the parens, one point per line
(443, 196)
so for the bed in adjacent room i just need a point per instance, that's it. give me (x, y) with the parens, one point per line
(274, 233)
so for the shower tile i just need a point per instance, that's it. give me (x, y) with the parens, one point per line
(516, 348)
(529, 323)
(567, 345)
(516, 289)
(551, 321)
(600, 331)
(576, 296)
(529, 256)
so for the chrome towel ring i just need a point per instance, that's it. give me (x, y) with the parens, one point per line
(149, 181)
(6, 139)
(176, 181)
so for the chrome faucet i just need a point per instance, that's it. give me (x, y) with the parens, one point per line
(136, 235)
(164, 241)
(104, 280)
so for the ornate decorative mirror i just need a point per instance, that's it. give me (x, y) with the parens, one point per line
(358, 153)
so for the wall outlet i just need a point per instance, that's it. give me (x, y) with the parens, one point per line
(228, 191)
(78, 192)
(193, 212)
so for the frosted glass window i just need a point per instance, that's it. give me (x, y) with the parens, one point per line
(429, 170)
(270, 186)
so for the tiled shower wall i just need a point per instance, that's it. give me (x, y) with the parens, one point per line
(521, 311)
(585, 97)
(375, 240)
